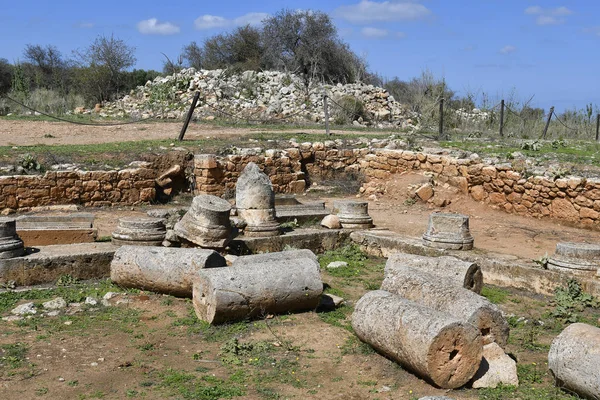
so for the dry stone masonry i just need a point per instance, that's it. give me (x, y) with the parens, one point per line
(206, 224)
(448, 231)
(576, 258)
(10, 244)
(139, 231)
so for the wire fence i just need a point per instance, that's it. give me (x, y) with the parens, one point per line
(438, 119)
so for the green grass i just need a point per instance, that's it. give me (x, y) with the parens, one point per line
(12, 356)
(192, 386)
(208, 332)
(524, 392)
(495, 294)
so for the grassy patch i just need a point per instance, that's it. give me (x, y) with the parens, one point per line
(210, 333)
(339, 317)
(524, 392)
(188, 385)
(494, 294)
(12, 356)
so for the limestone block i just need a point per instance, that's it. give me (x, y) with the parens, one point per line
(496, 368)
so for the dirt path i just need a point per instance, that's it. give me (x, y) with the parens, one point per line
(28, 133)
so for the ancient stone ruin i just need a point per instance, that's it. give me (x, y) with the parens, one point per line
(448, 231)
(353, 214)
(576, 258)
(207, 223)
(255, 202)
(10, 244)
(136, 231)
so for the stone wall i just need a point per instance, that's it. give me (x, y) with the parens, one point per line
(572, 199)
(89, 188)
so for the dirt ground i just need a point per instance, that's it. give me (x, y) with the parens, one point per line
(20, 133)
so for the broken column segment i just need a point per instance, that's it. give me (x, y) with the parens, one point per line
(434, 345)
(465, 274)
(161, 269)
(10, 244)
(257, 259)
(448, 231)
(576, 258)
(443, 295)
(353, 214)
(574, 358)
(256, 290)
(139, 231)
(206, 223)
(255, 202)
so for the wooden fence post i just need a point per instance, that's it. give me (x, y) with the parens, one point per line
(189, 116)
(502, 118)
(326, 109)
(548, 122)
(441, 128)
(597, 127)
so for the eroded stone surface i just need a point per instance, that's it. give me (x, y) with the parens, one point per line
(255, 202)
(139, 231)
(10, 244)
(448, 231)
(576, 258)
(496, 368)
(331, 221)
(206, 223)
(353, 214)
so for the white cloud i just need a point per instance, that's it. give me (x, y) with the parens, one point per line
(153, 27)
(85, 25)
(508, 49)
(374, 33)
(373, 11)
(548, 16)
(214, 21)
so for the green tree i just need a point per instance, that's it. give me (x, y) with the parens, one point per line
(6, 76)
(240, 50)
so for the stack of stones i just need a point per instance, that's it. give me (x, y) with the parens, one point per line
(255, 202)
(448, 231)
(353, 214)
(576, 258)
(10, 244)
(206, 224)
(139, 231)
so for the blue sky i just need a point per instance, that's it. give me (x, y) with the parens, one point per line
(545, 49)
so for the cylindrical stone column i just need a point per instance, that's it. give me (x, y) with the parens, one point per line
(574, 358)
(576, 258)
(432, 344)
(161, 269)
(206, 223)
(139, 231)
(353, 214)
(255, 202)
(10, 244)
(448, 231)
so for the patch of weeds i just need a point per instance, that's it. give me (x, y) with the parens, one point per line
(569, 301)
(334, 291)
(166, 301)
(494, 294)
(354, 345)
(66, 280)
(73, 383)
(106, 238)
(210, 333)
(233, 352)
(524, 392)
(41, 391)
(411, 201)
(189, 386)
(146, 347)
(132, 393)
(338, 317)
(352, 254)
(542, 261)
(12, 355)
(529, 373)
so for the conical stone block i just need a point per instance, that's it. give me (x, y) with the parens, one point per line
(139, 231)
(448, 231)
(255, 202)
(10, 244)
(206, 223)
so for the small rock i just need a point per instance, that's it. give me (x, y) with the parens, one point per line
(337, 264)
(331, 221)
(68, 322)
(440, 202)
(496, 368)
(91, 301)
(94, 364)
(230, 258)
(109, 295)
(24, 309)
(61, 379)
(425, 192)
(12, 318)
(53, 313)
(55, 304)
